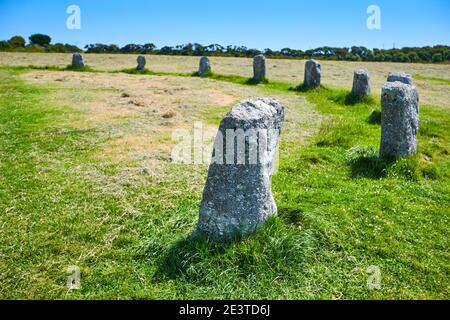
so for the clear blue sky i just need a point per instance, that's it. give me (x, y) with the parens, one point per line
(256, 24)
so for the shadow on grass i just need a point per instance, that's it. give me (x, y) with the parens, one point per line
(67, 68)
(348, 99)
(374, 117)
(79, 69)
(278, 247)
(304, 88)
(365, 163)
(253, 82)
(187, 253)
(231, 78)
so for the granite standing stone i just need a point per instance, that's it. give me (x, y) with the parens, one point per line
(313, 73)
(399, 120)
(141, 61)
(77, 60)
(237, 197)
(361, 84)
(204, 67)
(400, 76)
(259, 68)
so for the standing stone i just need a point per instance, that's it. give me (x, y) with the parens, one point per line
(259, 68)
(399, 120)
(237, 198)
(313, 73)
(361, 84)
(141, 61)
(77, 60)
(204, 67)
(400, 76)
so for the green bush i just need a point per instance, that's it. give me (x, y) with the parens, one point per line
(40, 39)
(17, 42)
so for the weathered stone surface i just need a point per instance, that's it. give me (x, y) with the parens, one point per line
(141, 62)
(399, 120)
(400, 76)
(361, 84)
(313, 73)
(237, 197)
(204, 67)
(259, 68)
(77, 60)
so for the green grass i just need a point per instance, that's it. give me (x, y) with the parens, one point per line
(341, 210)
(432, 79)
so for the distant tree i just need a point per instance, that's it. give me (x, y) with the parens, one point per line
(148, 48)
(40, 39)
(437, 57)
(34, 48)
(17, 41)
(413, 57)
(132, 48)
(438, 53)
(166, 50)
(58, 47)
(5, 46)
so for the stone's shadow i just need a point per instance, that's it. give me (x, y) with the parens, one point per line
(86, 68)
(292, 216)
(197, 260)
(303, 88)
(374, 117)
(372, 167)
(186, 253)
(368, 167)
(364, 162)
(208, 74)
(349, 99)
(252, 81)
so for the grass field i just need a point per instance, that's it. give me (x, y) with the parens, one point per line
(87, 180)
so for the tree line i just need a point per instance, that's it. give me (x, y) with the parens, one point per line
(434, 54)
(37, 43)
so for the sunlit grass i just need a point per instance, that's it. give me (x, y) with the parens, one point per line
(340, 210)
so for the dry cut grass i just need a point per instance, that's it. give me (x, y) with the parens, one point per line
(335, 73)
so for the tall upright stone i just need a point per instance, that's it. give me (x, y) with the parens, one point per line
(361, 84)
(399, 120)
(401, 77)
(77, 60)
(204, 67)
(237, 198)
(141, 62)
(259, 68)
(313, 74)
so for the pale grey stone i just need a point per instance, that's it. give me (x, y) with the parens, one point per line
(204, 67)
(361, 84)
(77, 60)
(313, 73)
(399, 120)
(237, 198)
(259, 68)
(141, 62)
(400, 76)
